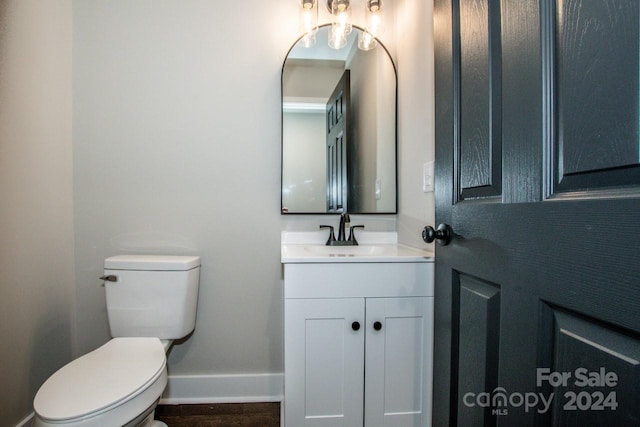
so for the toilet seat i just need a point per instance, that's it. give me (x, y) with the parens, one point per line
(103, 380)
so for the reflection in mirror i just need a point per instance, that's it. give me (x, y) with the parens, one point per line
(338, 129)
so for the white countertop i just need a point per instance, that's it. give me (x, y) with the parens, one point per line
(382, 247)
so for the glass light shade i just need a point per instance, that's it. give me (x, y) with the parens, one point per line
(366, 41)
(341, 13)
(308, 40)
(337, 37)
(309, 17)
(373, 18)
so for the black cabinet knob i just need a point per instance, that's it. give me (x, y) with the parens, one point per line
(377, 325)
(443, 234)
(355, 326)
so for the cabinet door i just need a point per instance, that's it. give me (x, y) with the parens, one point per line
(324, 362)
(398, 362)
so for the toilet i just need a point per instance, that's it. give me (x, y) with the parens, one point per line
(151, 301)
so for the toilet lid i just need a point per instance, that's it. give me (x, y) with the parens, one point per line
(107, 376)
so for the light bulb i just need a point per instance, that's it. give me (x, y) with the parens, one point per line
(309, 22)
(341, 11)
(309, 19)
(373, 17)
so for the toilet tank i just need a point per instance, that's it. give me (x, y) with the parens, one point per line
(152, 295)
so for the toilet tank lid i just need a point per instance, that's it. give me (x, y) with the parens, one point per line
(152, 262)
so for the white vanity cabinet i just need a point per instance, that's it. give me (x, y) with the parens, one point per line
(358, 344)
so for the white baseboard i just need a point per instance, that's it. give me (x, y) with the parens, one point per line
(28, 421)
(186, 389)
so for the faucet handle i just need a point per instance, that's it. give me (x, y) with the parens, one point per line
(332, 236)
(352, 234)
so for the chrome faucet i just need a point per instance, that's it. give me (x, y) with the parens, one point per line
(345, 222)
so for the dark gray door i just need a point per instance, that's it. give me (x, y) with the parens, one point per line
(338, 124)
(538, 173)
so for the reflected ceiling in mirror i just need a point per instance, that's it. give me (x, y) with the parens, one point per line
(338, 129)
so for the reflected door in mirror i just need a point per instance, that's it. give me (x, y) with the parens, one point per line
(338, 109)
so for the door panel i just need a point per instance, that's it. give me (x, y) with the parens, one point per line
(338, 125)
(336, 172)
(321, 342)
(397, 388)
(478, 343)
(324, 387)
(480, 129)
(601, 368)
(597, 129)
(596, 49)
(544, 273)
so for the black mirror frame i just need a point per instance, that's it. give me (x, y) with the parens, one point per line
(395, 73)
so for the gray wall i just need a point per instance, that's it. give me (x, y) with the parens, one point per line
(373, 94)
(36, 217)
(304, 177)
(415, 116)
(176, 149)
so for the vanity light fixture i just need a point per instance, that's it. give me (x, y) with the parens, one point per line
(341, 25)
(309, 22)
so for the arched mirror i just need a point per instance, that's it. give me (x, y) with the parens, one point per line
(339, 129)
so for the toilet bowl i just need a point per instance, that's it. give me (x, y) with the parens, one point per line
(114, 385)
(121, 382)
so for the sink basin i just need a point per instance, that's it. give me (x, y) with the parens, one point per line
(310, 247)
(348, 251)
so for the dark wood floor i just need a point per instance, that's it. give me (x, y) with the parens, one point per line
(220, 415)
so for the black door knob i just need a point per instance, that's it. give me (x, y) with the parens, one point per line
(355, 326)
(442, 234)
(377, 325)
